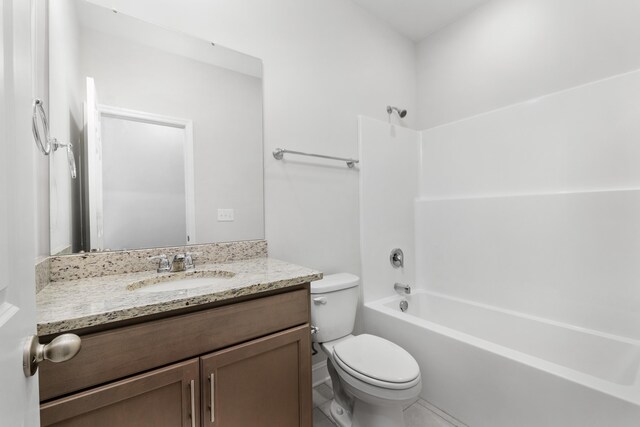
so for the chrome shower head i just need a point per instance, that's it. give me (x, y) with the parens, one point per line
(401, 113)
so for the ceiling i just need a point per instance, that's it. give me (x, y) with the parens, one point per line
(417, 19)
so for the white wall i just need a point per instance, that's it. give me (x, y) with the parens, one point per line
(325, 63)
(509, 51)
(389, 172)
(532, 206)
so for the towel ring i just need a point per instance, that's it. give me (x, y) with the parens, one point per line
(39, 115)
(45, 143)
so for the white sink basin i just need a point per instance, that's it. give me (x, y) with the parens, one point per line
(181, 281)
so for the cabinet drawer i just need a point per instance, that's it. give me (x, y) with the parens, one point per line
(118, 353)
(165, 397)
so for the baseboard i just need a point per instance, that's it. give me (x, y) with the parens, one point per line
(319, 373)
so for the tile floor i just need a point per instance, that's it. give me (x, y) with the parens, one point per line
(419, 414)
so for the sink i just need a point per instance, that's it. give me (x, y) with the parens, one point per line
(182, 281)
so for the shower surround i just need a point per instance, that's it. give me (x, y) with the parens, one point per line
(522, 240)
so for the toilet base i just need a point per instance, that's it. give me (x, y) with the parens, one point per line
(367, 415)
(340, 415)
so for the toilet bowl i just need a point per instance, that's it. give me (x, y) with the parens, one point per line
(373, 378)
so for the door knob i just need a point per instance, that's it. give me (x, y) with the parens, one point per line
(61, 349)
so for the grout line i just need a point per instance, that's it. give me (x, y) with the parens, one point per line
(324, 416)
(439, 412)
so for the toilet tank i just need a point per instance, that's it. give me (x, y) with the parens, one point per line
(334, 301)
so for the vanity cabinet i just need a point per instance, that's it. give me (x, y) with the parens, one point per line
(165, 397)
(253, 384)
(241, 364)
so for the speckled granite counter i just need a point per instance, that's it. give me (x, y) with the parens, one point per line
(70, 305)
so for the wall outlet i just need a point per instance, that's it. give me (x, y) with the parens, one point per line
(225, 215)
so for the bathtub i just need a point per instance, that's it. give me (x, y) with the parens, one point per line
(492, 367)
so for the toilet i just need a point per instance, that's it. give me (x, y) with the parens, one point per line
(373, 378)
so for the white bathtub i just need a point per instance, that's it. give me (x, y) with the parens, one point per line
(492, 367)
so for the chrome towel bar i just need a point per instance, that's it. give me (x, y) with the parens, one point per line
(279, 153)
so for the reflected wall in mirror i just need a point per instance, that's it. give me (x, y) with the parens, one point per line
(167, 130)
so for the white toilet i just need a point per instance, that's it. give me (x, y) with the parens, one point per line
(373, 379)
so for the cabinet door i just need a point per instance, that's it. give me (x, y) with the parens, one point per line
(264, 382)
(165, 397)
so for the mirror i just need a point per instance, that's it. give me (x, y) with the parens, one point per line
(166, 132)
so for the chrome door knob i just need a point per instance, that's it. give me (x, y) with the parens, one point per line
(61, 349)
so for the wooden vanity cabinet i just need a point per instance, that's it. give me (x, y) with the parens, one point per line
(253, 384)
(262, 379)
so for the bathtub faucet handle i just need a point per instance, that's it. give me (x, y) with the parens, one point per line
(404, 289)
(397, 258)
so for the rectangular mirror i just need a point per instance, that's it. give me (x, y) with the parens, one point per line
(165, 131)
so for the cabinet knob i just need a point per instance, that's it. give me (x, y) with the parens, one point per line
(61, 349)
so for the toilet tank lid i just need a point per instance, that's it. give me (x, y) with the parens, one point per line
(334, 282)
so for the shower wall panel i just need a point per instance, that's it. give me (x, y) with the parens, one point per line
(536, 207)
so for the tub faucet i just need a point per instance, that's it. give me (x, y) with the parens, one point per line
(403, 289)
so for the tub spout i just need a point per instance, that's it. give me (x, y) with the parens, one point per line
(404, 289)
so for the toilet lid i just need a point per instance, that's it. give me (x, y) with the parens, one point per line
(377, 358)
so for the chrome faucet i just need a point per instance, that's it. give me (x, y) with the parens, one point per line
(183, 262)
(163, 263)
(403, 289)
(180, 262)
(188, 260)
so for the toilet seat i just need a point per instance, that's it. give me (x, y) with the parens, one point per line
(375, 394)
(378, 362)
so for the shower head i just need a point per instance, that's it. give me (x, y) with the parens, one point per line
(401, 113)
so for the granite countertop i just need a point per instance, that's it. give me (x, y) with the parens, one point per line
(70, 305)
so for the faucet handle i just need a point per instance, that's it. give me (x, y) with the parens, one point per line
(397, 258)
(188, 260)
(163, 263)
